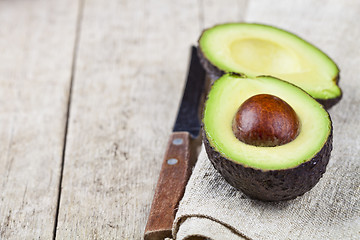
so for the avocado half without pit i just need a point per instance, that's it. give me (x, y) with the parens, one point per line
(255, 49)
(266, 137)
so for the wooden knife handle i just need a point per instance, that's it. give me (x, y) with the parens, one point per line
(174, 174)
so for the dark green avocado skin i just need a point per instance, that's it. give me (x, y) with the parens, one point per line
(272, 185)
(328, 103)
(215, 73)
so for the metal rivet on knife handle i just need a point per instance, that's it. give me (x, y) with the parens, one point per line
(177, 141)
(172, 161)
(174, 174)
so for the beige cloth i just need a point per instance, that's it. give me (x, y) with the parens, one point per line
(211, 208)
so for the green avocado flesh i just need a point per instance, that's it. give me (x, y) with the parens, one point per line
(254, 49)
(230, 91)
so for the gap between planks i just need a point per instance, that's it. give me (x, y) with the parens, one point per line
(73, 67)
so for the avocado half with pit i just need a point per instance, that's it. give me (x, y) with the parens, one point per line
(271, 173)
(255, 49)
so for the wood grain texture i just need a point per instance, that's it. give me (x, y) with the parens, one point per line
(130, 73)
(129, 76)
(131, 69)
(36, 48)
(214, 12)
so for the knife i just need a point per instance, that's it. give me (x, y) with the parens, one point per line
(180, 156)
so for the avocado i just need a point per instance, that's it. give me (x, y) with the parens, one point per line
(270, 173)
(256, 49)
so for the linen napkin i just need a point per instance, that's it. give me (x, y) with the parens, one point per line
(213, 209)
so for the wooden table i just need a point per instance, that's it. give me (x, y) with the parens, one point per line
(89, 91)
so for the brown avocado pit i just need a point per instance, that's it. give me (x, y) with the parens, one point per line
(297, 159)
(265, 120)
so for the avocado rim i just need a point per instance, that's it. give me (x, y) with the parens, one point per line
(214, 72)
(271, 185)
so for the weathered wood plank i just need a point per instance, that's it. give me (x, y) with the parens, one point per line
(130, 73)
(214, 12)
(36, 48)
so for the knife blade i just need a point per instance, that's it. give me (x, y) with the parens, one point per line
(180, 155)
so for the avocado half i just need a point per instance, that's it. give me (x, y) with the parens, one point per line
(256, 49)
(266, 173)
